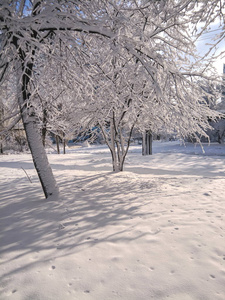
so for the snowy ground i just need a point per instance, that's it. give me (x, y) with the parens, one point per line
(155, 231)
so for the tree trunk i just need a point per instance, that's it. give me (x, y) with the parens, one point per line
(57, 143)
(118, 148)
(34, 139)
(40, 159)
(44, 127)
(64, 146)
(114, 160)
(147, 143)
(116, 143)
(113, 148)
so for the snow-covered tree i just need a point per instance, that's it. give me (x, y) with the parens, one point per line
(146, 39)
(52, 102)
(9, 114)
(27, 30)
(147, 85)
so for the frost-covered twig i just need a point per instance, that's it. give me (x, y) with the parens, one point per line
(26, 174)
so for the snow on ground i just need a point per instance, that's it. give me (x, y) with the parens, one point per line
(154, 231)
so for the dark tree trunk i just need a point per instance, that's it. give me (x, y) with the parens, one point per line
(64, 146)
(147, 143)
(44, 127)
(57, 143)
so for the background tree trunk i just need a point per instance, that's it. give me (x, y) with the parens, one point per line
(147, 143)
(57, 143)
(44, 126)
(64, 146)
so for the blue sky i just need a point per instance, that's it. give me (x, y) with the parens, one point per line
(203, 45)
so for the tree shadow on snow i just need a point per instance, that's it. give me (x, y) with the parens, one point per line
(92, 211)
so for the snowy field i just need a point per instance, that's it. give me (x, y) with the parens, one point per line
(154, 231)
